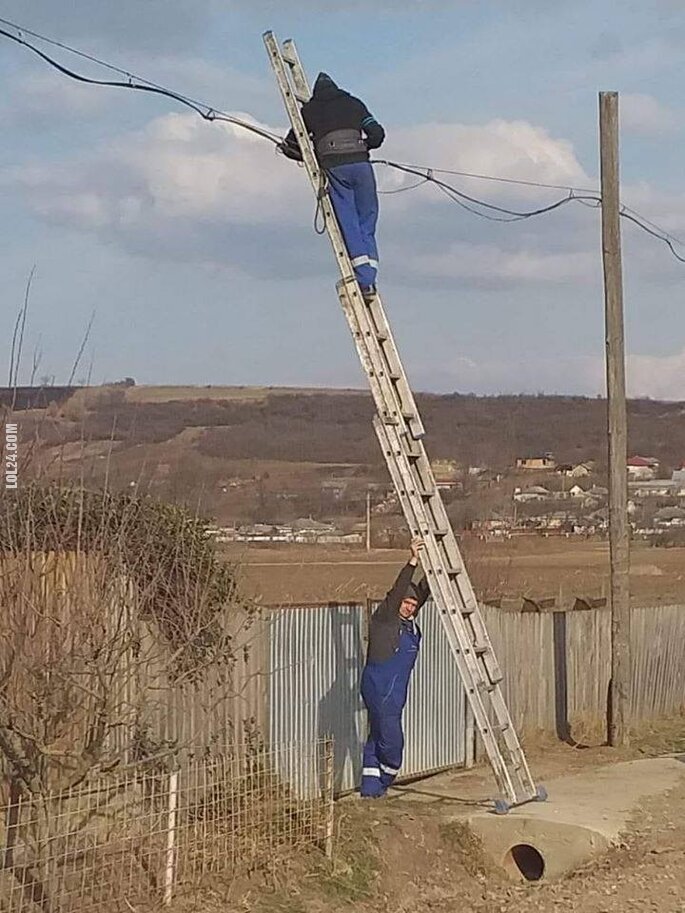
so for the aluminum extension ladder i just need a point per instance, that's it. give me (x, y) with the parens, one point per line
(400, 432)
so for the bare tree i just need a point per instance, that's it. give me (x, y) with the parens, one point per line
(111, 604)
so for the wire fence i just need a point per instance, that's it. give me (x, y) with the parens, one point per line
(140, 840)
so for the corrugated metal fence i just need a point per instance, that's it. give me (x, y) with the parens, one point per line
(295, 672)
(316, 659)
(552, 659)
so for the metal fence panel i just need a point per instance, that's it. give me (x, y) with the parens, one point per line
(316, 661)
(435, 715)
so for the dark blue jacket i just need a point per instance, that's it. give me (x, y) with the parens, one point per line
(331, 109)
(384, 628)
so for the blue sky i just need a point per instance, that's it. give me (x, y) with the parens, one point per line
(193, 243)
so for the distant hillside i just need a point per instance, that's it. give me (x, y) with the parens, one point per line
(22, 398)
(334, 426)
(192, 438)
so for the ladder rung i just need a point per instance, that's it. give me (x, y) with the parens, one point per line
(480, 649)
(288, 55)
(394, 375)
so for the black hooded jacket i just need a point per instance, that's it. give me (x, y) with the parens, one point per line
(386, 621)
(331, 109)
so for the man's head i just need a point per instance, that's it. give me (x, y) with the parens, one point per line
(325, 86)
(410, 603)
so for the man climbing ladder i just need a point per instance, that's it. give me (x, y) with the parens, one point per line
(343, 131)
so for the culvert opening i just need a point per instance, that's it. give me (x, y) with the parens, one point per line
(527, 861)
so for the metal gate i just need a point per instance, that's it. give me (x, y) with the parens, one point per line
(316, 657)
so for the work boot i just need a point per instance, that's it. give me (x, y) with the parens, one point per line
(369, 292)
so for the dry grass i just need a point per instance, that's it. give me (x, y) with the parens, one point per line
(168, 394)
(532, 567)
(152, 833)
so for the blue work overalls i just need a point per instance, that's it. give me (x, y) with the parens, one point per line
(352, 189)
(384, 690)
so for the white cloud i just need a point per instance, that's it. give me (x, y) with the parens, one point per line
(508, 149)
(180, 173)
(660, 377)
(212, 192)
(657, 376)
(45, 94)
(490, 265)
(528, 374)
(179, 167)
(644, 114)
(668, 209)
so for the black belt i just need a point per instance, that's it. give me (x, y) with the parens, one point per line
(340, 142)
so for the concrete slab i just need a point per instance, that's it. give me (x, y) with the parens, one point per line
(584, 815)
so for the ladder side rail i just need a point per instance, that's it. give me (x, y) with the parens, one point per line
(301, 88)
(511, 739)
(300, 81)
(449, 603)
(385, 405)
(314, 171)
(392, 405)
(392, 356)
(463, 583)
(472, 674)
(407, 461)
(457, 638)
(490, 669)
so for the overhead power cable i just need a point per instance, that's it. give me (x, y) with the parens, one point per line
(637, 220)
(471, 204)
(464, 199)
(137, 83)
(575, 195)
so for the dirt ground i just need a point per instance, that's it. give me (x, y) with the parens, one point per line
(408, 857)
(536, 568)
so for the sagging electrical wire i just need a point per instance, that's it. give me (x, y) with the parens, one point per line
(388, 193)
(656, 227)
(575, 195)
(502, 180)
(655, 234)
(207, 112)
(464, 199)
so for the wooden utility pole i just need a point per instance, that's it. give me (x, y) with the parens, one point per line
(368, 521)
(619, 529)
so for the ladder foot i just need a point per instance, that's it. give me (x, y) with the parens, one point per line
(541, 794)
(502, 807)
